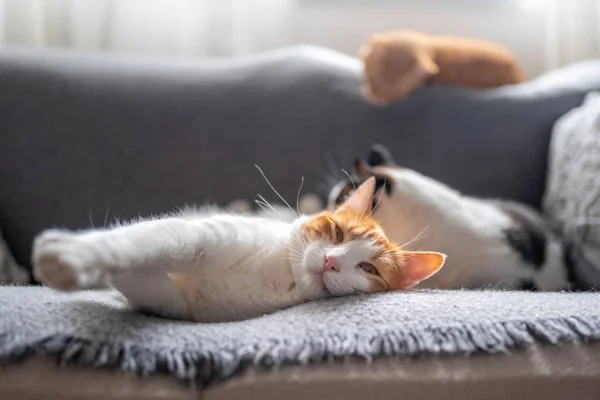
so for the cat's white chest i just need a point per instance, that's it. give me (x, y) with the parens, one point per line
(238, 292)
(252, 282)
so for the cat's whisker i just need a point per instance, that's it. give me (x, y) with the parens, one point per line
(106, 216)
(260, 204)
(265, 202)
(275, 191)
(416, 260)
(294, 251)
(380, 196)
(349, 177)
(90, 217)
(298, 197)
(298, 246)
(301, 239)
(414, 240)
(295, 244)
(418, 236)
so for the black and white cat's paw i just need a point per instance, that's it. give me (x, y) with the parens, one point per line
(67, 261)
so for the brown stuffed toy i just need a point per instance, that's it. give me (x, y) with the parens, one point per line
(398, 63)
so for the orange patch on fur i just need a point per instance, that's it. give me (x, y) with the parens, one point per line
(387, 258)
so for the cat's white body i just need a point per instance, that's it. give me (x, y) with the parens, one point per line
(424, 213)
(255, 275)
(182, 267)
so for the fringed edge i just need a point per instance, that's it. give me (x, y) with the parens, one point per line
(205, 368)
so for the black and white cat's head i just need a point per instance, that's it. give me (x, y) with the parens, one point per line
(378, 156)
(396, 186)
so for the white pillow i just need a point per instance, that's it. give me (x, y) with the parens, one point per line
(572, 198)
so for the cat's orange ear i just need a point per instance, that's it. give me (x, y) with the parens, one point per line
(418, 266)
(361, 199)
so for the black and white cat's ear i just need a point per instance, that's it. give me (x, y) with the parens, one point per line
(382, 183)
(362, 170)
(379, 155)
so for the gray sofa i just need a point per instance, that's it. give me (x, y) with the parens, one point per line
(85, 138)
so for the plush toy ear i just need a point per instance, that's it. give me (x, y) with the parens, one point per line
(426, 67)
(360, 201)
(379, 155)
(418, 266)
(364, 51)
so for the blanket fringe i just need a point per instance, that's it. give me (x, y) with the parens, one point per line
(207, 368)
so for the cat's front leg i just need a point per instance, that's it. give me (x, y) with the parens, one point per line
(63, 260)
(68, 260)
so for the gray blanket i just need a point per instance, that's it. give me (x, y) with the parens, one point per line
(94, 328)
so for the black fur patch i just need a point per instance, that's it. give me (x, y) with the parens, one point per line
(379, 155)
(528, 285)
(530, 245)
(569, 263)
(382, 183)
(344, 193)
(528, 236)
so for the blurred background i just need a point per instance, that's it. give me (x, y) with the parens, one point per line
(544, 34)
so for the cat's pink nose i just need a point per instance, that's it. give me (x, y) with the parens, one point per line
(332, 263)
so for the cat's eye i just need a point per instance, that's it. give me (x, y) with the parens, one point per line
(368, 268)
(339, 234)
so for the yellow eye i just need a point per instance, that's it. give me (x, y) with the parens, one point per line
(368, 268)
(339, 234)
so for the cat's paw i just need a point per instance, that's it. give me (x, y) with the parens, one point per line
(65, 261)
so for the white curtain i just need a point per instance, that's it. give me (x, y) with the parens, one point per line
(180, 27)
(232, 27)
(573, 31)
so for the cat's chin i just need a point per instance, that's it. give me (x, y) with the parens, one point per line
(310, 285)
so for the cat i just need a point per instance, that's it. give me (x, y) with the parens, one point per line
(397, 63)
(490, 243)
(212, 266)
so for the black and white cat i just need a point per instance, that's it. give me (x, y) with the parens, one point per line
(490, 243)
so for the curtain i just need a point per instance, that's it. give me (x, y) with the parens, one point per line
(572, 31)
(231, 27)
(179, 27)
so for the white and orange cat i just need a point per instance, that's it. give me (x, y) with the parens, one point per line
(222, 267)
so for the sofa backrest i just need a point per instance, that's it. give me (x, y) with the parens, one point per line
(86, 138)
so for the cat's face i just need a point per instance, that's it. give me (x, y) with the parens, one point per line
(345, 251)
(394, 67)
